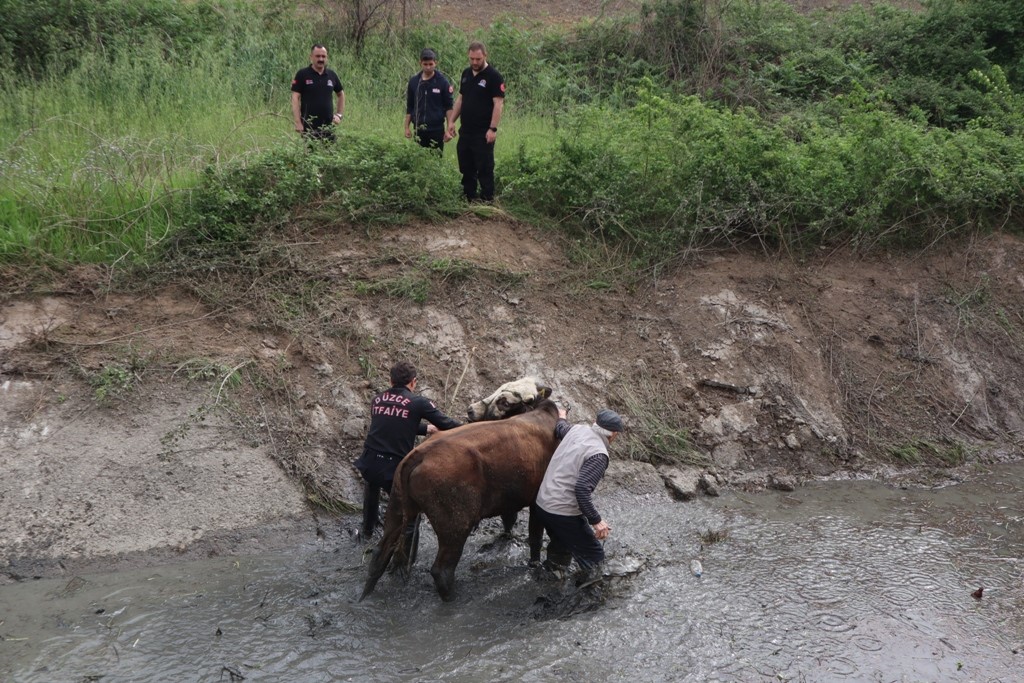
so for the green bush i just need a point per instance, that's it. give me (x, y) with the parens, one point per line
(917, 61)
(658, 175)
(358, 178)
(689, 122)
(671, 173)
(1001, 22)
(36, 36)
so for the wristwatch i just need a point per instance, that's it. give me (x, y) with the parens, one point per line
(493, 128)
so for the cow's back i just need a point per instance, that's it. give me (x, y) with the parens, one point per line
(491, 467)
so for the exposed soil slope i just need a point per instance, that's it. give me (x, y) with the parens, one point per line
(197, 414)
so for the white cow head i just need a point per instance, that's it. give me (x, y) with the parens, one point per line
(511, 398)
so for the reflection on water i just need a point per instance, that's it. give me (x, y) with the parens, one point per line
(845, 581)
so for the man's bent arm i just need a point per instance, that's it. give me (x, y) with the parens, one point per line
(297, 111)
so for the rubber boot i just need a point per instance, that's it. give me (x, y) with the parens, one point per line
(556, 566)
(371, 502)
(589, 574)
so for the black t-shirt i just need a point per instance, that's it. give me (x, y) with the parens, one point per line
(478, 93)
(317, 92)
(427, 101)
(395, 417)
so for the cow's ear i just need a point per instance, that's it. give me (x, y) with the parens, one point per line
(543, 392)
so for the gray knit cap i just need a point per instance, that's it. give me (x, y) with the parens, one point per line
(610, 420)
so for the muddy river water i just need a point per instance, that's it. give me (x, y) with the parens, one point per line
(842, 581)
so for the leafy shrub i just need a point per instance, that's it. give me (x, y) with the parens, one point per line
(919, 60)
(359, 178)
(672, 173)
(1001, 22)
(36, 35)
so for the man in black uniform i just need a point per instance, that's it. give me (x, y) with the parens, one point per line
(480, 103)
(395, 422)
(312, 109)
(428, 104)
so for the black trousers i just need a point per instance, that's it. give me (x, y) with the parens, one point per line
(476, 164)
(371, 504)
(378, 471)
(571, 535)
(431, 139)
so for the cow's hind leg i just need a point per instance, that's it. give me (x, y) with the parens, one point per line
(508, 521)
(535, 535)
(449, 552)
(411, 544)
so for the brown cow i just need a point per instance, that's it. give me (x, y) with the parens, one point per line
(459, 477)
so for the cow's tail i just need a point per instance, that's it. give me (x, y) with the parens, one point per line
(401, 511)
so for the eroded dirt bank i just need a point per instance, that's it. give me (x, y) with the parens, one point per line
(204, 412)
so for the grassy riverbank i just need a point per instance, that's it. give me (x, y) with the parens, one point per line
(692, 123)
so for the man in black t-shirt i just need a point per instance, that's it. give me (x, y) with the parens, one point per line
(480, 103)
(428, 104)
(395, 421)
(312, 89)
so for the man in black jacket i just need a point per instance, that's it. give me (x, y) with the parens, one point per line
(396, 417)
(428, 104)
(480, 103)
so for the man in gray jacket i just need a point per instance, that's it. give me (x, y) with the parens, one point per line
(564, 501)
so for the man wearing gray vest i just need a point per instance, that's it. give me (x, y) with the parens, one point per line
(564, 500)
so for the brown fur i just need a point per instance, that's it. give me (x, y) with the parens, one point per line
(461, 476)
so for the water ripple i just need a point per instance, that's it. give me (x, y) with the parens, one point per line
(900, 596)
(867, 643)
(834, 623)
(860, 585)
(843, 667)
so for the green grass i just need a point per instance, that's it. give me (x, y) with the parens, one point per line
(90, 172)
(791, 139)
(946, 453)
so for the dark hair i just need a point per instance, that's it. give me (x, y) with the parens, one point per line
(402, 373)
(316, 45)
(477, 45)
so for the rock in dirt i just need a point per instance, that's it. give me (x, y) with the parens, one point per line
(682, 483)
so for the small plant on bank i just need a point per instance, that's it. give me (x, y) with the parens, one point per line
(205, 369)
(411, 286)
(949, 453)
(113, 381)
(656, 429)
(450, 270)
